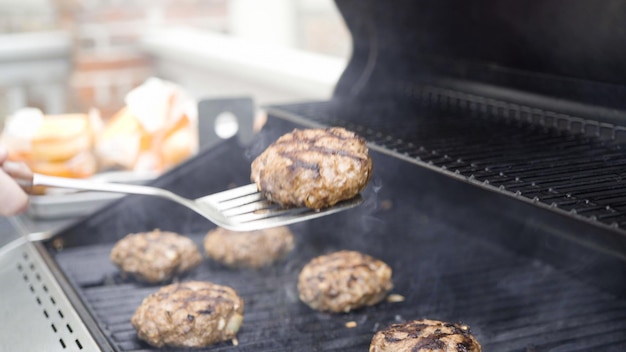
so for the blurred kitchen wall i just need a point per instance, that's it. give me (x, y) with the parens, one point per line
(70, 55)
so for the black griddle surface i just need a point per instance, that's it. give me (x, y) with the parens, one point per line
(511, 304)
(445, 272)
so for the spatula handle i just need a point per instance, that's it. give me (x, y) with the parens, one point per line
(27, 180)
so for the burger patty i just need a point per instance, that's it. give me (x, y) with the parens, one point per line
(343, 281)
(425, 336)
(189, 314)
(155, 256)
(251, 249)
(314, 168)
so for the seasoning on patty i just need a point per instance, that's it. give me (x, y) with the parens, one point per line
(425, 336)
(155, 256)
(189, 314)
(314, 168)
(343, 281)
(251, 249)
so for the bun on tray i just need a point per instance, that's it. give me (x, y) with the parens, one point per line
(57, 145)
(153, 132)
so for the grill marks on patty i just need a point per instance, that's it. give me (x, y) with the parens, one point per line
(317, 144)
(315, 168)
(425, 335)
(300, 164)
(333, 263)
(343, 281)
(155, 256)
(249, 249)
(293, 155)
(189, 314)
(209, 298)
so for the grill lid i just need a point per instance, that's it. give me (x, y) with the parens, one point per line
(572, 51)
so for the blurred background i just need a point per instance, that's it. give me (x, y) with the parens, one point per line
(65, 56)
(76, 61)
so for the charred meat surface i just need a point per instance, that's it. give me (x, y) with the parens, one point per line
(155, 256)
(425, 336)
(189, 314)
(343, 281)
(314, 168)
(250, 249)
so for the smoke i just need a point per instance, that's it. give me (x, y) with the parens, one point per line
(258, 145)
(269, 134)
(371, 204)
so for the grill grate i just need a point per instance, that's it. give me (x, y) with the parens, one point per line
(513, 304)
(568, 164)
(443, 270)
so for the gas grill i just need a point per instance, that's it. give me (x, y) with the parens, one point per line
(498, 194)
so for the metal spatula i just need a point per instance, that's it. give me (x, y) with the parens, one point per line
(238, 209)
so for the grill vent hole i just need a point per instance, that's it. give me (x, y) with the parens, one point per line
(41, 302)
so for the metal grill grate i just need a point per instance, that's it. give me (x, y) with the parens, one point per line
(513, 304)
(562, 162)
(444, 270)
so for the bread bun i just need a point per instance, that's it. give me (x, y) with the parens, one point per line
(56, 145)
(61, 137)
(121, 140)
(125, 143)
(177, 146)
(81, 165)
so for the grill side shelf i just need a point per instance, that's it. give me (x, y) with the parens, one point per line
(77, 300)
(37, 315)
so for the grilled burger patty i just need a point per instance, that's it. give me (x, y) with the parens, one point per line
(251, 249)
(425, 336)
(189, 314)
(155, 256)
(343, 281)
(314, 168)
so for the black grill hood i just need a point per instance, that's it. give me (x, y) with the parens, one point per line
(563, 51)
